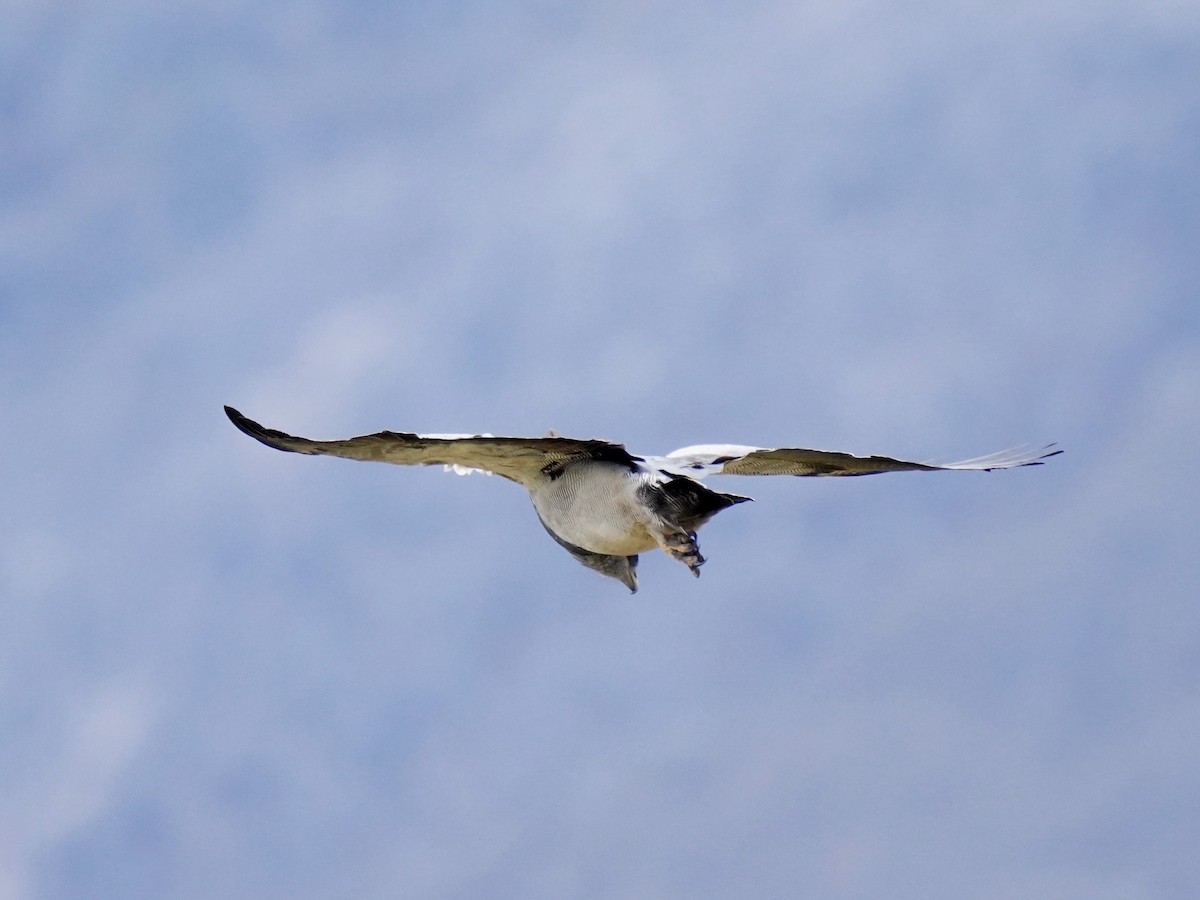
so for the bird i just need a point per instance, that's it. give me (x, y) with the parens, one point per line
(605, 505)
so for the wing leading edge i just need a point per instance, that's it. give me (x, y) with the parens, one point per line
(519, 459)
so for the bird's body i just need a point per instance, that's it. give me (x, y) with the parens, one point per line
(603, 504)
(593, 505)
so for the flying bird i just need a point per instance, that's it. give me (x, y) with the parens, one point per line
(603, 504)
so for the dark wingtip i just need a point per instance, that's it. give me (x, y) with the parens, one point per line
(248, 426)
(276, 440)
(1045, 456)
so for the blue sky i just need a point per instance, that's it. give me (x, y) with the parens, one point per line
(875, 227)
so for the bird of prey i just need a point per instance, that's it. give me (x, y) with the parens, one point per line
(600, 502)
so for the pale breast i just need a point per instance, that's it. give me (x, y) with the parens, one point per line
(593, 505)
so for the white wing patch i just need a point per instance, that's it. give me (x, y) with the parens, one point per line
(1002, 459)
(699, 460)
(456, 468)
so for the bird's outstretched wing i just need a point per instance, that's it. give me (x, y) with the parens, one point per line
(733, 459)
(520, 459)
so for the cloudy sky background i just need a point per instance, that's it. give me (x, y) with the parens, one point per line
(871, 226)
